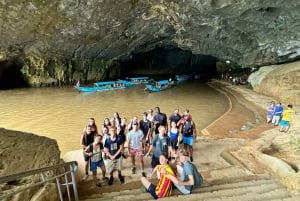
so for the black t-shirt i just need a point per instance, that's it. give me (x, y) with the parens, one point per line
(174, 118)
(145, 126)
(88, 139)
(161, 118)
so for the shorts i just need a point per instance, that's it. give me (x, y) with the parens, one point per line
(173, 143)
(284, 123)
(188, 140)
(94, 165)
(151, 190)
(137, 152)
(114, 165)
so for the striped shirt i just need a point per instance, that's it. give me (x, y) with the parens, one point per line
(164, 186)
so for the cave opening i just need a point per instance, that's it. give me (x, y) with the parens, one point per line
(11, 76)
(169, 61)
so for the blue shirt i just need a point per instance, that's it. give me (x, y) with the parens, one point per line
(278, 110)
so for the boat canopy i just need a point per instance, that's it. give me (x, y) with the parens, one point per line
(104, 83)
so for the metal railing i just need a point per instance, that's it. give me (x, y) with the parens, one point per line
(62, 179)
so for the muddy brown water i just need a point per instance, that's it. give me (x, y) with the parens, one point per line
(61, 113)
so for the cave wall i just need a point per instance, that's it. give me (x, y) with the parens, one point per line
(51, 35)
(279, 81)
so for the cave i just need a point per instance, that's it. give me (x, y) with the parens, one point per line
(11, 76)
(168, 61)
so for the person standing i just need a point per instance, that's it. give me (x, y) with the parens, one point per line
(94, 151)
(160, 143)
(93, 126)
(164, 185)
(150, 115)
(277, 114)
(270, 112)
(106, 123)
(174, 117)
(135, 149)
(189, 134)
(133, 120)
(286, 119)
(86, 139)
(146, 127)
(121, 130)
(174, 135)
(116, 120)
(159, 119)
(113, 148)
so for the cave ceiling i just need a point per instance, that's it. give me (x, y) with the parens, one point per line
(249, 33)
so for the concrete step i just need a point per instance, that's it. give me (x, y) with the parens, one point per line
(260, 189)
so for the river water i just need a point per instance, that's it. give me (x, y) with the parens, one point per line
(62, 113)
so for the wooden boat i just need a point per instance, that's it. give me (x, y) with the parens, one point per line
(159, 85)
(137, 80)
(104, 86)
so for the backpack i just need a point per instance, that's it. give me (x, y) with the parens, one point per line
(187, 128)
(198, 179)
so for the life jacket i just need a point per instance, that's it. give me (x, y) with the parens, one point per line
(187, 128)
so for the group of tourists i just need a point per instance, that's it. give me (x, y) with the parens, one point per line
(277, 115)
(156, 136)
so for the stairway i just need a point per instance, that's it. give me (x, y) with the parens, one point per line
(258, 188)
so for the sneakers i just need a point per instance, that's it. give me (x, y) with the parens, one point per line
(133, 170)
(98, 185)
(121, 178)
(111, 180)
(105, 178)
(144, 174)
(85, 177)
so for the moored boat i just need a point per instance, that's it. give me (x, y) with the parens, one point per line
(103, 86)
(137, 80)
(159, 85)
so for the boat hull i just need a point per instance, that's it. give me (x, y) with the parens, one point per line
(96, 89)
(156, 89)
(160, 86)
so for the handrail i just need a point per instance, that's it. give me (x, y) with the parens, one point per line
(72, 165)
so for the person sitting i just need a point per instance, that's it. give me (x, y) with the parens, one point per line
(164, 185)
(188, 177)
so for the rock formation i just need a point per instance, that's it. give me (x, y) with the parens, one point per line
(22, 152)
(279, 81)
(58, 42)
